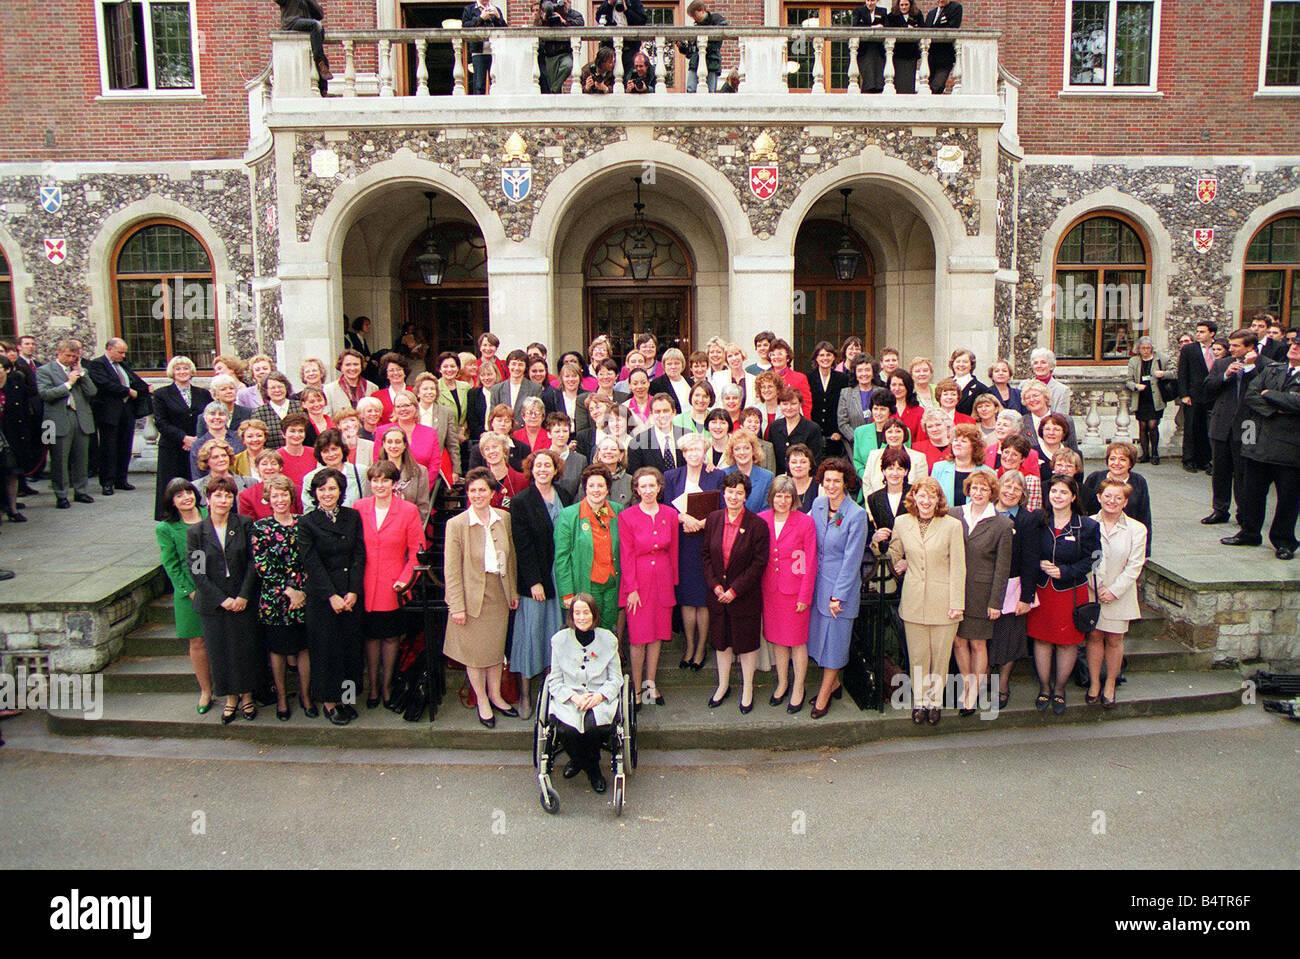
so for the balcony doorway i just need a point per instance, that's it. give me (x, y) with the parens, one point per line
(620, 307)
(428, 16)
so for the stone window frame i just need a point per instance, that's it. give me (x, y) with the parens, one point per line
(185, 94)
(1263, 90)
(113, 277)
(7, 294)
(823, 6)
(1149, 286)
(1290, 271)
(1109, 89)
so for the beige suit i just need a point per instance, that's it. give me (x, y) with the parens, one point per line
(935, 583)
(337, 401)
(484, 599)
(1123, 554)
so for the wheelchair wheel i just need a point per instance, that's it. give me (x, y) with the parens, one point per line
(620, 794)
(539, 725)
(549, 799)
(627, 744)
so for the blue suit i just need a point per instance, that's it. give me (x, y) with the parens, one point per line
(840, 545)
(759, 481)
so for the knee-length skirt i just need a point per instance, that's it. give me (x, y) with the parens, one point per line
(1008, 642)
(481, 642)
(1052, 620)
(828, 640)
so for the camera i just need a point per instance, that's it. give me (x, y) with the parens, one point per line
(551, 7)
(620, 6)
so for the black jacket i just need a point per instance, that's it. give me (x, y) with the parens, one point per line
(534, 537)
(636, 17)
(878, 508)
(644, 451)
(1025, 544)
(1274, 350)
(1192, 372)
(972, 392)
(333, 554)
(943, 18)
(1074, 552)
(1226, 392)
(1276, 416)
(291, 10)
(806, 432)
(1139, 501)
(905, 49)
(826, 403)
(222, 573)
(474, 18)
(112, 404)
(557, 48)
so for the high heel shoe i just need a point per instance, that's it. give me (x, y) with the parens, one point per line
(776, 700)
(284, 714)
(794, 707)
(816, 713)
(16, 517)
(311, 712)
(746, 710)
(490, 722)
(228, 714)
(697, 666)
(715, 703)
(249, 711)
(373, 702)
(649, 690)
(509, 711)
(684, 664)
(839, 692)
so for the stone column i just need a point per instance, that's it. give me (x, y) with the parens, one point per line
(967, 289)
(519, 302)
(762, 296)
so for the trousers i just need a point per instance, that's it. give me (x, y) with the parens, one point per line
(69, 463)
(114, 454)
(583, 747)
(928, 650)
(1258, 478)
(1229, 476)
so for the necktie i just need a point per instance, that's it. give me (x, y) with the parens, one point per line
(121, 374)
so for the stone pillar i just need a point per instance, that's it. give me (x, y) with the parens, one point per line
(312, 319)
(967, 290)
(761, 297)
(519, 303)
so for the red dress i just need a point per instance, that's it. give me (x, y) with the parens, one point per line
(296, 467)
(1052, 620)
(647, 549)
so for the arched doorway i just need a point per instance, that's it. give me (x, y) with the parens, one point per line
(620, 306)
(453, 314)
(826, 307)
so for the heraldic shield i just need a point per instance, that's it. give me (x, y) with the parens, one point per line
(516, 181)
(763, 180)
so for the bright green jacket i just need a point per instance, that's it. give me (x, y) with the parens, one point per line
(574, 554)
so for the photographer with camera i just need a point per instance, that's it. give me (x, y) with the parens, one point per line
(642, 77)
(475, 16)
(623, 13)
(555, 57)
(699, 12)
(598, 75)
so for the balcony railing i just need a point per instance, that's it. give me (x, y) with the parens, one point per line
(378, 63)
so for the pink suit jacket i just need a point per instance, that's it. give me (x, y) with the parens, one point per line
(424, 447)
(791, 573)
(391, 550)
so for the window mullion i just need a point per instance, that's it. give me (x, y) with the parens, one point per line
(150, 61)
(1112, 38)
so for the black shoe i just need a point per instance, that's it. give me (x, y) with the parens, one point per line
(816, 713)
(490, 722)
(1190, 468)
(1239, 539)
(794, 707)
(1284, 552)
(16, 517)
(696, 667)
(1215, 518)
(349, 711)
(746, 710)
(106, 490)
(597, 780)
(62, 503)
(337, 716)
(373, 703)
(311, 712)
(124, 487)
(1144, 458)
(1208, 470)
(6, 574)
(715, 703)
(25, 490)
(228, 714)
(511, 712)
(776, 700)
(82, 498)
(964, 712)
(571, 769)
(1155, 459)
(283, 715)
(839, 693)
(684, 664)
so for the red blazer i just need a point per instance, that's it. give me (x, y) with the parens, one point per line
(250, 502)
(931, 452)
(797, 381)
(386, 400)
(390, 550)
(912, 420)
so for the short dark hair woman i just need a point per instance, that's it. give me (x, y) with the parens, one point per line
(183, 512)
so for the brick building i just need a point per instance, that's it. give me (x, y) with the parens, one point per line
(171, 173)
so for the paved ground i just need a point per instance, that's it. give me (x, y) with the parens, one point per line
(1215, 791)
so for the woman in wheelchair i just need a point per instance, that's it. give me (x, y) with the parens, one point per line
(584, 683)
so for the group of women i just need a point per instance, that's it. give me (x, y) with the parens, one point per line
(733, 503)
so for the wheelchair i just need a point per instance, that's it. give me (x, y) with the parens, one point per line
(621, 744)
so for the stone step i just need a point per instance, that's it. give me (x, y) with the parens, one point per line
(159, 610)
(684, 723)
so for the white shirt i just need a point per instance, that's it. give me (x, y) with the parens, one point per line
(778, 525)
(894, 500)
(281, 411)
(972, 520)
(491, 562)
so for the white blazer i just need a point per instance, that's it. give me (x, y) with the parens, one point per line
(596, 669)
(1123, 554)
(722, 378)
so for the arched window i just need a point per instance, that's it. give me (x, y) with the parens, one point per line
(1271, 283)
(8, 329)
(166, 296)
(1102, 283)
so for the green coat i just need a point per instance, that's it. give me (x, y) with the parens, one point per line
(574, 554)
(172, 545)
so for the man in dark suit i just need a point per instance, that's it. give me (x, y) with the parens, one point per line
(1270, 350)
(1270, 440)
(114, 405)
(1194, 364)
(943, 56)
(68, 394)
(1225, 386)
(657, 446)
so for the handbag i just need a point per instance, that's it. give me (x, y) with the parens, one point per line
(1085, 614)
(1168, 389)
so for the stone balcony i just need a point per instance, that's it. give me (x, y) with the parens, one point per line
(375, 84)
